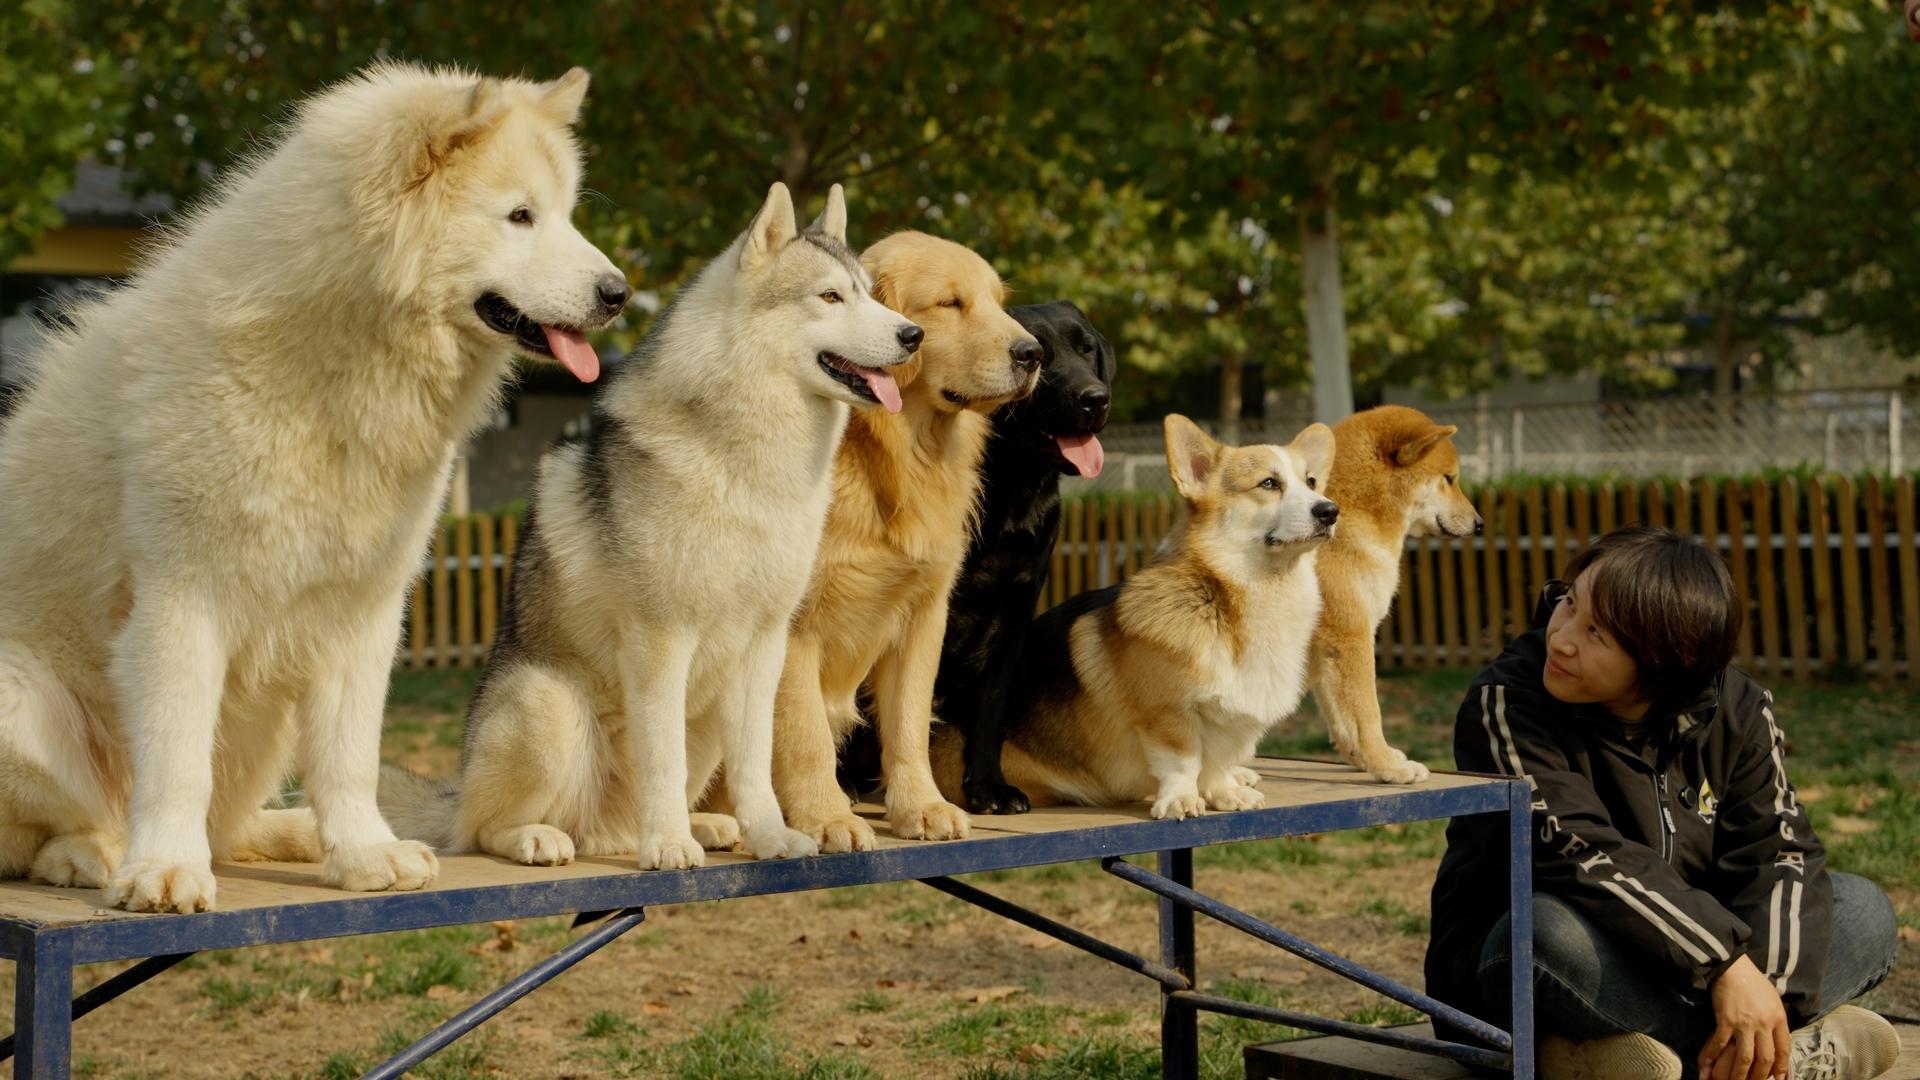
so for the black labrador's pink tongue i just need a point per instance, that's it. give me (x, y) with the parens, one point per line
(570, 347)
(1083, 452)
(880, 381)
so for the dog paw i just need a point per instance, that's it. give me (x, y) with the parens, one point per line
(158, 885)
(1235, 797)
(536, 845)
(715, 832)
(780, 842)
(994, 798)
(1404, 771)
(667, 852)
(1179, 806)
(399, 865)
(1244, 776)
(81, 861)
(933, 821)
(836, 834)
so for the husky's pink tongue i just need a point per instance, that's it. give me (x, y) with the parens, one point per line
(880, 381)
(1083, 452)
(570, 348)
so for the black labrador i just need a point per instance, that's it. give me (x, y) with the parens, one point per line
(1052, 433)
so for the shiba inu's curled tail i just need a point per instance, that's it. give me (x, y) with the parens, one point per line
(418, 808)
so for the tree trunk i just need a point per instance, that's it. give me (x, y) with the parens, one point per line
(1726, 365)
(1326, 317)
(1231, 407)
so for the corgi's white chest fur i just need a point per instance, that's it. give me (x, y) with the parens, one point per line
(1265, 684)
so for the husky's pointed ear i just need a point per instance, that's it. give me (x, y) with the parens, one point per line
(1422, 443)
(561, 98)
(1313, 448)
(772, 227)
(832, 222)
(1191, 456)
(465, 121)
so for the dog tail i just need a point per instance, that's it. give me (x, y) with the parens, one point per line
(418, 808)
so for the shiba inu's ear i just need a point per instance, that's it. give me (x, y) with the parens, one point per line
(561, 98)
(832, 222)
(1313, 448)
(1191, 456)
(1421, 443)
(772, 227)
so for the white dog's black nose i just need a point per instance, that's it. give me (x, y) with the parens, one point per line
(614, 291)
(1027, 353)
(1325, 512)
(911, 336)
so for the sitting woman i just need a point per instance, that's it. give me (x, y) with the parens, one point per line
(1682, 905)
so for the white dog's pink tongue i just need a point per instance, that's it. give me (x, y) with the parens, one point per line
(570, 348)
(1083, 452)
(881, 382)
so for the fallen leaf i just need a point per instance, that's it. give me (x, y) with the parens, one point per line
(1847, 825)
(1910, 933)
(654, 1008)
(366, 981)
(885, 984)
(1033, 1052)
(847, 1038)
(991, 993)
(440, 992)
(853, 935)
(801, 940)
(322, 955)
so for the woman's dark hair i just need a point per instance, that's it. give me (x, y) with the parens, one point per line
(1669, 602)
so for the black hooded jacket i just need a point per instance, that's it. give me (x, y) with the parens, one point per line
(1692, 848)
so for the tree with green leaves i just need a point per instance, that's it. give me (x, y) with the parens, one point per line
(62, 97)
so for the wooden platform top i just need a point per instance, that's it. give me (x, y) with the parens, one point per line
(1302, 797)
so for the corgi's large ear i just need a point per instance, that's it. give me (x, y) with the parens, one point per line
(1421, 444)
(561, 98)
(1191, 456)
(832, 222)
(773, 227)
(1313, 448)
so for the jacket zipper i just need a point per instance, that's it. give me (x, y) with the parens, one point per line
(1667, 829)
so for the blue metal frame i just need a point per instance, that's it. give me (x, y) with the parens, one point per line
(46, 955)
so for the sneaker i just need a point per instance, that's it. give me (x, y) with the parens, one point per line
(1848, 1043)
(1615, 1057)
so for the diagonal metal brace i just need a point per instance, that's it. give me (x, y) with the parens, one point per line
(1306, 950)
(1085, 942)
(520, 986)
(1472, 1055)
(110, 989)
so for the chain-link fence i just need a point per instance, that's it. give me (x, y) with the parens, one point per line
(1842, 431)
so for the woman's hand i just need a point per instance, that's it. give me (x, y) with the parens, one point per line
(1751, 1041)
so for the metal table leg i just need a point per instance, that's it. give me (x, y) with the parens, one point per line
(1520, 905)
(1179, 1022)
(43, 1006)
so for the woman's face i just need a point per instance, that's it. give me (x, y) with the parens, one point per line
(1585, 664)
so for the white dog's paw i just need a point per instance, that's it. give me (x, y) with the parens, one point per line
(930, 821)
(842, 833)
(1244, 776)
(400, 865)
(158, 885)
(1179, 805)
(1404, 771)
(666, 852)
(537, 845)
(1235, 797)
(78, 860)
(715, 832)
(779, 842)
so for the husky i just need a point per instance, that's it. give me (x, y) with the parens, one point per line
(1397, 475)
(221, 481)
(1160, 689)
(662, 563)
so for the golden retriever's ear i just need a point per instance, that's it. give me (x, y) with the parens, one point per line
(1423, 443)
(1313, 447)
(561, 98)
(886, 288)
(772, 229)
(1191, 456)
(832, 222)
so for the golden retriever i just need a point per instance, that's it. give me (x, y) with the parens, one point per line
(906, 489)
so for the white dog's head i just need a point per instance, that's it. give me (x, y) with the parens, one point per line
(470, 183)
(811, 286)
(1254, 501)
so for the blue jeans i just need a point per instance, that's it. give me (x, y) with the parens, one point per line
(1587, 984)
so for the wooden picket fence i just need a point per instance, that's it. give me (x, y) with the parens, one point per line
(1827, 567)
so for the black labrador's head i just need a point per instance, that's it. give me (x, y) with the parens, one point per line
(1068, 408)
